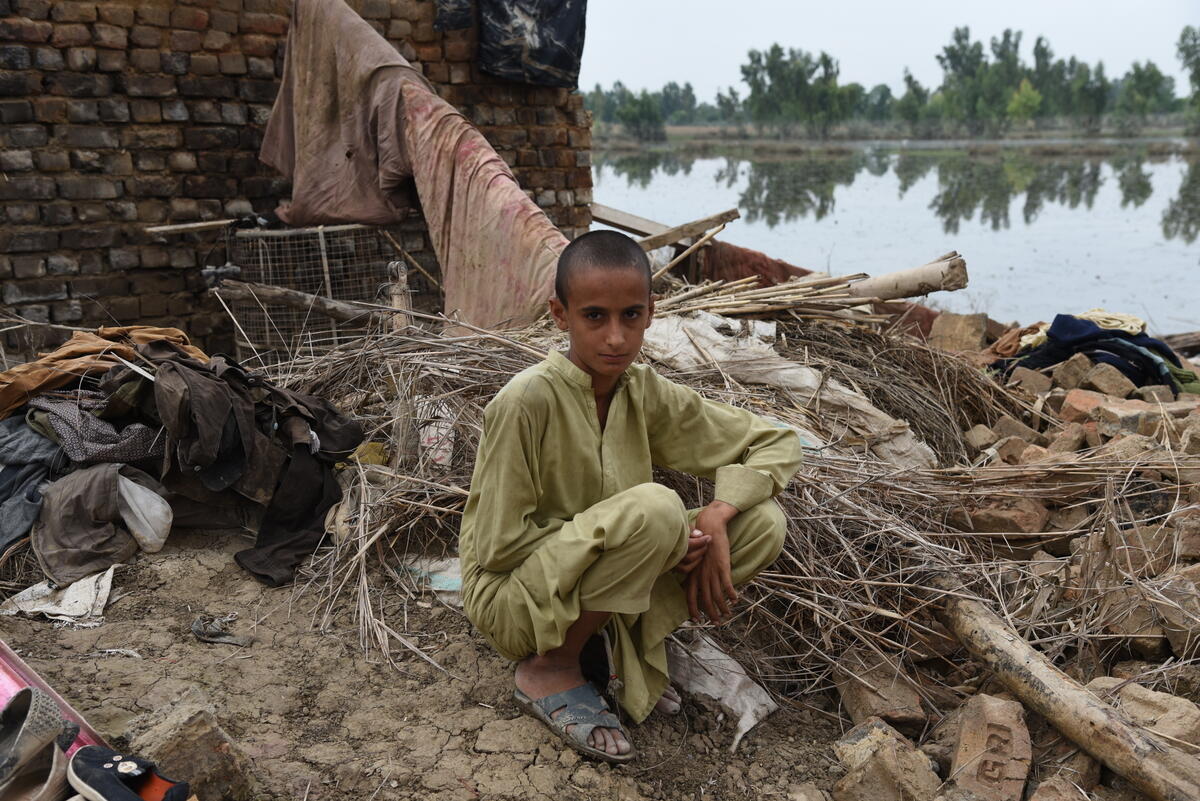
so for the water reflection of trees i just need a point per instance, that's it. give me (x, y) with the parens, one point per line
(783, 190)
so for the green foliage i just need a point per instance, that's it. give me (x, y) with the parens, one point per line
(1025, 102)
(984, 89)
(642, 118)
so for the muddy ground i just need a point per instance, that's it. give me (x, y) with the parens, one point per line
(321, 721)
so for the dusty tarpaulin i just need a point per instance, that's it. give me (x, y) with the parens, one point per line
(337, 128)
(727, 262)
(497, 249)
(532, 41)
(353, 120)
(83, 354)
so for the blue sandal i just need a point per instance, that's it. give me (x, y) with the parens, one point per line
(584, 710)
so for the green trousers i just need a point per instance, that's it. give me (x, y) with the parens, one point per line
(618, 557)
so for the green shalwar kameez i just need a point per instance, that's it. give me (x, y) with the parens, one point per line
(564, 517)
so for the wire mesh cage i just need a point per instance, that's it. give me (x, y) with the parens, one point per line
(340, 262)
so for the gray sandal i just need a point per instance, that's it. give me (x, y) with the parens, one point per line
(584, 710)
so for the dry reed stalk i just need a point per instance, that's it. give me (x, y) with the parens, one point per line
(863, 540)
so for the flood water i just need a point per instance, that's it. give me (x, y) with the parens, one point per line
(1041, 234)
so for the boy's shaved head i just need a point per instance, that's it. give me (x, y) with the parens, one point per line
(604, 250)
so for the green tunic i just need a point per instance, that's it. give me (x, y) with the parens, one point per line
(562, 516)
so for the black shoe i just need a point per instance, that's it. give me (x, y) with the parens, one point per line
(99, 774)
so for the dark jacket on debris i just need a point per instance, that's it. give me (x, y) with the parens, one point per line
(27, 460)
(235, 438)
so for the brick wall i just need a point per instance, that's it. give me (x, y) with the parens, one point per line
(115, 116)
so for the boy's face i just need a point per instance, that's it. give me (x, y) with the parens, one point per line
(607, 313)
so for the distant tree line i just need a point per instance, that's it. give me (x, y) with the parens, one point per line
(984, 92)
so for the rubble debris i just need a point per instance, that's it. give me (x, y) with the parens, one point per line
(959, 332)
(881, 765)
(187, 741)
(993, 754)
(1058, 789)
(1004, 515)
(1008, 426)
(872, 686)
(1009, 449)
(1167, 715)
(1034, 382)
(981, 438)
(806, 792)
(1146, 761)
(1070, 373)
(1127, 612)
(1069, 440)
(1106, 379)
(1078, 405)
(1156, 393)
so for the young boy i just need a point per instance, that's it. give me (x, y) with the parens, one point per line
(564, 532)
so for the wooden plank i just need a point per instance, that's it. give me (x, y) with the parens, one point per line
(187, 228)
(1188, 344)
(691, 229)
(623, 220)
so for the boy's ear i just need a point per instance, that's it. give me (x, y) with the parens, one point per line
(559, 312)
(650, 312)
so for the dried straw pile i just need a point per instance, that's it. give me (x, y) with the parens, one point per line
(864, 538)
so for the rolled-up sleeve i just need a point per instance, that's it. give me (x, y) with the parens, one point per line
(750, 458)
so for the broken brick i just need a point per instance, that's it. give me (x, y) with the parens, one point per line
(1031, 381)
(1008, 426)
(1069, 440)
(1070, 374)
(1009, 449)
(1157, 393)
(881, 764)
(1079, 404)
(1006, 515)
(959, 332)
(1166, 714)
(1107, 379)
(994, 754)
(980, 437)
(871, 686)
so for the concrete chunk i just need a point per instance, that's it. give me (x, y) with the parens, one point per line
(1007, 515)
(188, 743)
(1069, 374)
(871, 686)
(1009, 449)
(1154, 394)
(1109, 380)
(959, 332)
(1163, 713)
(882, 766)
(981, 437)
(994, 753)
(1070, 439)
(1058, 789)
(1126, 612)
(1078, 405)
(1030, 380)
(1011, 427)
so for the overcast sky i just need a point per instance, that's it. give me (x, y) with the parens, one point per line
(646, 43)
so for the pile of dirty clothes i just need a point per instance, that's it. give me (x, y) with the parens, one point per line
(121, 435)
(1104, 337)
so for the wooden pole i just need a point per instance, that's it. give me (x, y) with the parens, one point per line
(695, 228)
(404, 431)
(946, 274)
(339, 310)
(697, 244)
(1146, 761)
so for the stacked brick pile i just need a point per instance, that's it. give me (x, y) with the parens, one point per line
(115, 116)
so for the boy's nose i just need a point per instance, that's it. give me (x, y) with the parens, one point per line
(614, 336)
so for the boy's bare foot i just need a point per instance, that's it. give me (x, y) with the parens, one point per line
(539, 677)
(670, 702)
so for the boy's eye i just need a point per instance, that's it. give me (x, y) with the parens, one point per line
(633, 314)
(592, 315)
